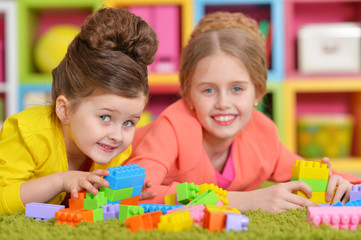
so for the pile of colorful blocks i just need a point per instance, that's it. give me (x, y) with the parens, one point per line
(201, 205)
(339, 216)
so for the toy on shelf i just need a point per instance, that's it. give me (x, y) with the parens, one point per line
(314, 174)
(51, 47)
(325, 135)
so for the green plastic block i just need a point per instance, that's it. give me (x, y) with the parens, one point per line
(119, 194)
(126, 211)
(187, 192)
(92, 201)
(98, 214)
(317, 185)
(208, 197)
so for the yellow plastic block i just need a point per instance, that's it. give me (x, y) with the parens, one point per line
(175, 222)
(310, 170)
(225, 209)
(221, 194)
(170, 199)
(317, 197)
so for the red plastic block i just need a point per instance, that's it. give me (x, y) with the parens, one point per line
(73, 216)
(214, 221)
(145, 221)
(77, 203)
(338, 217)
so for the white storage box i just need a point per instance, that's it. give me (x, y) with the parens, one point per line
(329, 48)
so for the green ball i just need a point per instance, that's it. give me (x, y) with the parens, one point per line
(52, 46)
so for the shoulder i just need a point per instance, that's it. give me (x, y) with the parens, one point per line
(261, 126)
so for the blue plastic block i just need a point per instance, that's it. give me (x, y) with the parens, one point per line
(137, 190)
(158, 207)
(125, 176)
(338, 204)
(354, 203)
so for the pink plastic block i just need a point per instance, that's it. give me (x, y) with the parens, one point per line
(196, 212)
(338, 217)
(41, 211)
(167, 25)
(355, 193)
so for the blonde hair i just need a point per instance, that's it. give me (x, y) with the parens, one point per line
(231, 33)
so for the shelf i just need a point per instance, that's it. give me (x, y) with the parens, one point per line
(271, 9)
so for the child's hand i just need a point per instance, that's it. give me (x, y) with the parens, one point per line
(343, 186)
(275, 198)
(74, 181)
(147, 195)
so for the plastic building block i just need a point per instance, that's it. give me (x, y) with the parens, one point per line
(170, 199)
(310, 170)
(146, 221)
(354, 203)
(110, 211)
(130, 201)
(126, 211)
(225, 209)
(196, 212)
(158, 207)
(41, 211)
(236, 222)
(221, 194)
(316, 184)
(77, 203)
(118, 194)
(338, 217)
(98, 214)
(92, 201)
(338, 204)
(73, 216)
(355, 192)
(207, 197)
(175, 222)
(187, 192)
(317, 197)
(214, 221)
(125, 176)
(137, 190)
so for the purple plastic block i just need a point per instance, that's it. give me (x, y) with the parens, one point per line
(110, 211)
(125, 176)
(355, 193)
(41, 211)
(236, 222)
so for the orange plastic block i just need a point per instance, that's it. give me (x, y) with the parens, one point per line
(130, 201)
(214, 221)
(77, 203)
(73, 216)
(145, 221)
(175, 222)
(310, 169)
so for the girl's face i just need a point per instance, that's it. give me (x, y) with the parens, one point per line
(102, 125)
(222, 95)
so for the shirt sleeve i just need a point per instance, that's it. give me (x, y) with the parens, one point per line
(155, 148)
(15, 167)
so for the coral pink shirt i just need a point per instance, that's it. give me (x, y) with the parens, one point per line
(225, 178)
(171, 150)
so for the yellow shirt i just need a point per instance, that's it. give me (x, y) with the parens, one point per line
(32, 146)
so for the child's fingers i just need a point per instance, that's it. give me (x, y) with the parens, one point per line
(147, 195)
(94, 179)
(147, 185)
(300, 186)
(328, 161)
(84, 184)
(101, 172)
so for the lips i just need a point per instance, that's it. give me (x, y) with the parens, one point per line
(224, 119)
(106, 148)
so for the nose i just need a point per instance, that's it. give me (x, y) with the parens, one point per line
(223, 101)
(116, 133)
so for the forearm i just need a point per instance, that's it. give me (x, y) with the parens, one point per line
(42, 189)
(241, 200)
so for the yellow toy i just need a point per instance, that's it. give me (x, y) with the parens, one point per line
(52, 46)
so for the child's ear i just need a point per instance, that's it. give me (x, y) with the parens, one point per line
(62, 109)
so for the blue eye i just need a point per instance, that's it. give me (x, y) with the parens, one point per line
(128, 123)
(105, 118)
(208, 90)
(237, 89)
